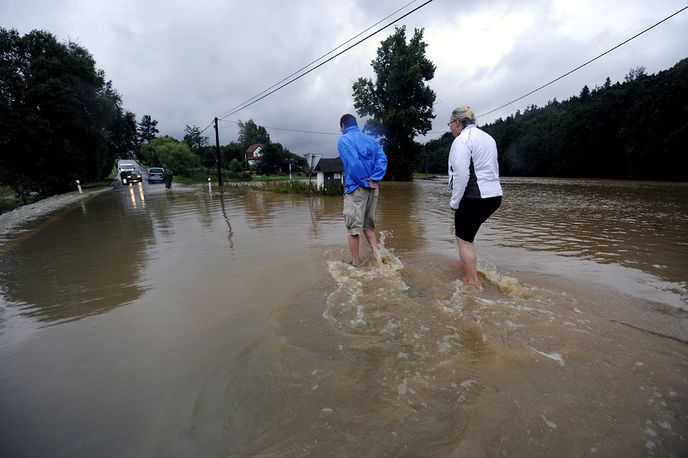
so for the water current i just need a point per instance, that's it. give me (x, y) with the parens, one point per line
(153, 322)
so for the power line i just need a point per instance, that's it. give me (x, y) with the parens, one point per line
(316, 60)
(240, 107)
(324, 62)
(586, 63)
(287, 129)
(207, 127)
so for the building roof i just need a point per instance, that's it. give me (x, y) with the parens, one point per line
(254, 147)
(330, 165)
(251, 150)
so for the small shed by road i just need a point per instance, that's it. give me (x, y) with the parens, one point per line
(329, 169)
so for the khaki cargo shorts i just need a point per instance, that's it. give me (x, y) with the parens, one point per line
(359, 210)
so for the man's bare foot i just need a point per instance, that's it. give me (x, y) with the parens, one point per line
(470, 281)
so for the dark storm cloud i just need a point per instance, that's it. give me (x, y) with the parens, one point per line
(184, 63)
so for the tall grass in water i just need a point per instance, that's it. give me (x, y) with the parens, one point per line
(295, 187)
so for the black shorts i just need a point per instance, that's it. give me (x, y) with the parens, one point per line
(471, 214)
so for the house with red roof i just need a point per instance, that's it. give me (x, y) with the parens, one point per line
(254, 153)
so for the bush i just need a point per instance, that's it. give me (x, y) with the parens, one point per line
(236, 171)
(171, 153)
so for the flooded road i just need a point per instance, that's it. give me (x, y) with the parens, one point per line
(153, 322)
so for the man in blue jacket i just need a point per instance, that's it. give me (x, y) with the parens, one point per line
(365, 165)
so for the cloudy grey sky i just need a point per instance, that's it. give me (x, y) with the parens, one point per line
(186, 62)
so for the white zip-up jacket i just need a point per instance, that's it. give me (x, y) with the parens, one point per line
(473, 167)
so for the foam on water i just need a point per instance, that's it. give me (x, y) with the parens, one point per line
(403, 343)
(553, 356)
(376, 282)
(509, 285)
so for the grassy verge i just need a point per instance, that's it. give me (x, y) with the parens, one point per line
(279, 177)
(291, 187)
(187, 180)
(98, 184)
(9, 201)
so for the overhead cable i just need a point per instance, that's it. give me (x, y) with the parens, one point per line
(316, 60)
(286, 129)
(207, 127)
(324, 62)
(586, 63)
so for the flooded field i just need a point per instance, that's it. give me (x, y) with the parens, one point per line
(153, 322)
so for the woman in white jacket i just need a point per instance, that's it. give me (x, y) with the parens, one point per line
(474, 183)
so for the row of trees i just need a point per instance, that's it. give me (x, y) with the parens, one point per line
(637, 129)
(194, 153)
(60, 119)
(275, 157)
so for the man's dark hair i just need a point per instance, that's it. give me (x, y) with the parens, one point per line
(348, 120)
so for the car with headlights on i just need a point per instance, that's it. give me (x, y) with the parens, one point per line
(129, 174)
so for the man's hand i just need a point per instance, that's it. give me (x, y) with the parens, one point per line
(372, 184)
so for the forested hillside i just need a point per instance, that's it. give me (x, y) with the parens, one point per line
(637, 129)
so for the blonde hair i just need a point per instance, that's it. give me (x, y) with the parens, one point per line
(464, 115)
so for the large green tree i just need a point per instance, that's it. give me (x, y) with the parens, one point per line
(399, 102)
(276, 159)
(193, 138)
(171, 153)
(234, 150)
(60, 120)
(147, 129)
(199, 146)
(251, 133)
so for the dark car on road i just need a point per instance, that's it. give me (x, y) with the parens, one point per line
(129, 174)
(155, 175)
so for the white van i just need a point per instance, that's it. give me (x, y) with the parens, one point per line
(125, 166)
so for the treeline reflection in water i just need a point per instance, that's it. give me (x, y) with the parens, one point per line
(241, 305)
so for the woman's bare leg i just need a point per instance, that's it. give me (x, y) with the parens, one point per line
(469, 260)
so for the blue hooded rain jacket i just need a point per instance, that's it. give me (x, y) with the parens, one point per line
(362, 157)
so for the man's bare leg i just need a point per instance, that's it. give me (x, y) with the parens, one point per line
(470, 262)
(354, 245)
(371, 236)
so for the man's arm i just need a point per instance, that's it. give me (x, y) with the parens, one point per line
(380, 167)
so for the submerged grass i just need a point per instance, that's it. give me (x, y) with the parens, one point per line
(293, 187)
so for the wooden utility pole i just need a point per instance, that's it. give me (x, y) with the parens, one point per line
(310, 171)
(219, 156)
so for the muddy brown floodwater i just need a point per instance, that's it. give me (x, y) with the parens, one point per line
(153, 322)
